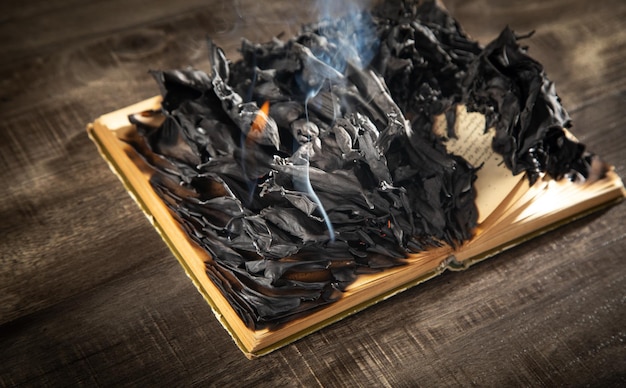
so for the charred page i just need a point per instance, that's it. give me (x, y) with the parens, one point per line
(313, 160)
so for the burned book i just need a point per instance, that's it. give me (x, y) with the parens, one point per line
(319, 174)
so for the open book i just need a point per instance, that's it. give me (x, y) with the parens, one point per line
(510, 212)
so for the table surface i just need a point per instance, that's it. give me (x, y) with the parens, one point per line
(89, 293)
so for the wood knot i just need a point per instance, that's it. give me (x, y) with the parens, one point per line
(139, 44)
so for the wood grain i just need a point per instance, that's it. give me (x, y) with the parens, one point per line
(89, 294)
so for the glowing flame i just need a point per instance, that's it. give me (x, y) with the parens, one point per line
(254, 134)
(260, 121)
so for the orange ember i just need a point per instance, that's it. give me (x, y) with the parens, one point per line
(261, 118)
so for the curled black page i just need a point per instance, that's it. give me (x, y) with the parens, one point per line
(311, 161)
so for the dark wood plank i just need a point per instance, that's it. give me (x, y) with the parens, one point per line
(89, 294)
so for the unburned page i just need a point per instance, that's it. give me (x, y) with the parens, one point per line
(494, 180)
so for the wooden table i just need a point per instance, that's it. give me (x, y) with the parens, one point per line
(89, 294)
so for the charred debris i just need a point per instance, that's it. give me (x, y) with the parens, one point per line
(312, 160)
